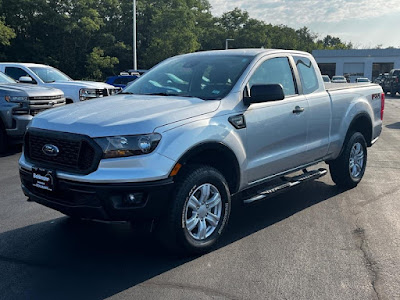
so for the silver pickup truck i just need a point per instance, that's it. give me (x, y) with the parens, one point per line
(19, 103)
(195, 132)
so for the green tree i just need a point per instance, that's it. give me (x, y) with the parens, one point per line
(97, 63)
(93, 38)
(6, 34)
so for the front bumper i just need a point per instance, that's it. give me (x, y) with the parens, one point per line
(101, 201)
(18, 127)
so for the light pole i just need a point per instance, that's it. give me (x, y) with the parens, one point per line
(226, 43)
(134, 36)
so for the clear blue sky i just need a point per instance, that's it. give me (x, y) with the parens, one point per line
(365, 23)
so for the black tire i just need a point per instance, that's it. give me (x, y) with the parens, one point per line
(340, 167)
(173, 231)
(3, 140)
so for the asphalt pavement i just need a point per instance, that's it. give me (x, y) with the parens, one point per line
(313, 242)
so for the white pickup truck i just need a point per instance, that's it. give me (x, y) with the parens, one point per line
(47, 76)
(195, 132)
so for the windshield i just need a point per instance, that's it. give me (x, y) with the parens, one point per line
(49, 74)
(4, 79)
(339, 77)
(208, 77)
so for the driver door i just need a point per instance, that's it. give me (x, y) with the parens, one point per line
(276, 130)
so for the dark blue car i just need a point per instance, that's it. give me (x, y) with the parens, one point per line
(120, 80)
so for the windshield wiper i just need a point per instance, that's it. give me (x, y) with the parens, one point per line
(173, 94)
(126, 93)
(162, 94)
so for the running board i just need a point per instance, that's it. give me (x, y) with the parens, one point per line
(288, 183)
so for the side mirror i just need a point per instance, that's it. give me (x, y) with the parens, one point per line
(265, 93)
(25, 79)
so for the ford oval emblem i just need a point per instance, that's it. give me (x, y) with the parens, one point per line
(50, 150)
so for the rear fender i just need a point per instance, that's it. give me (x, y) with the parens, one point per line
(358, 109)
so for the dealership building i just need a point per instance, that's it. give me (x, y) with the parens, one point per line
(357, 62)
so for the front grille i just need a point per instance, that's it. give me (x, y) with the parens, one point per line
(76, 153)
(41, 103)
(46, 97)
(107, 92)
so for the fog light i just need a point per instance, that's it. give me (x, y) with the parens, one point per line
(134, 199)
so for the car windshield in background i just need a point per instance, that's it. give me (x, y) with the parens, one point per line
(208, 77)
(48, 74)
(4, 79)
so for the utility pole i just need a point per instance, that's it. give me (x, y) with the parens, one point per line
(134, 36)
(226, 43)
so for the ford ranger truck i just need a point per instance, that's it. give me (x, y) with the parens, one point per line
(195, 132)
(19, 103)
(47, 76)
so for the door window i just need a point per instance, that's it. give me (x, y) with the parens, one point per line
(275, 71)
(15, 73)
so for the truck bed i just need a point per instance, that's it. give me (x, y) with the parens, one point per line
(329, 86)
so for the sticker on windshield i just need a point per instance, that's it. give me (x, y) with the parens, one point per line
(216, 92)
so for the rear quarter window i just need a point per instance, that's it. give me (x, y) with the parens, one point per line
(308, 76)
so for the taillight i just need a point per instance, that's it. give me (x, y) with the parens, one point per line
(397, 79)
(382, 104)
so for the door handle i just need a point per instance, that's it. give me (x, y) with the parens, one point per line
(298, 110)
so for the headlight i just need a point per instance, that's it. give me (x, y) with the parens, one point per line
(15, 98)
(123, 146)
(85, 94)
(115, 91)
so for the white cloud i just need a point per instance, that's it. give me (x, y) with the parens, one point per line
(363, 22)
(292, 12)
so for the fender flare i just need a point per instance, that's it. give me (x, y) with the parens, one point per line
(220, 147)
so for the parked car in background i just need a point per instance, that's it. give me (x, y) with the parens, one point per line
(121, 81)
(379, 80)
(392, 82)
(326, 78)
(339, 79)
(196, 130)
(133, 72)
(18, 104)
(362, 79)
(44, 75)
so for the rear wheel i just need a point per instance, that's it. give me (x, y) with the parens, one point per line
(198, 213)
(348, 169)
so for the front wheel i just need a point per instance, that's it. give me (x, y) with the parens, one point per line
(198, 213)
(3, 140)
(348, 169)
(392, 92)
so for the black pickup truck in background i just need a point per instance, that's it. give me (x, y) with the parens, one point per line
(392, 83)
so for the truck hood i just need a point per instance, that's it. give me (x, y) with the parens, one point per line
(122, 114)
(29, 90)
(81, 84)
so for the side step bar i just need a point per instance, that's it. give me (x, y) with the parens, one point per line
(288, 183)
